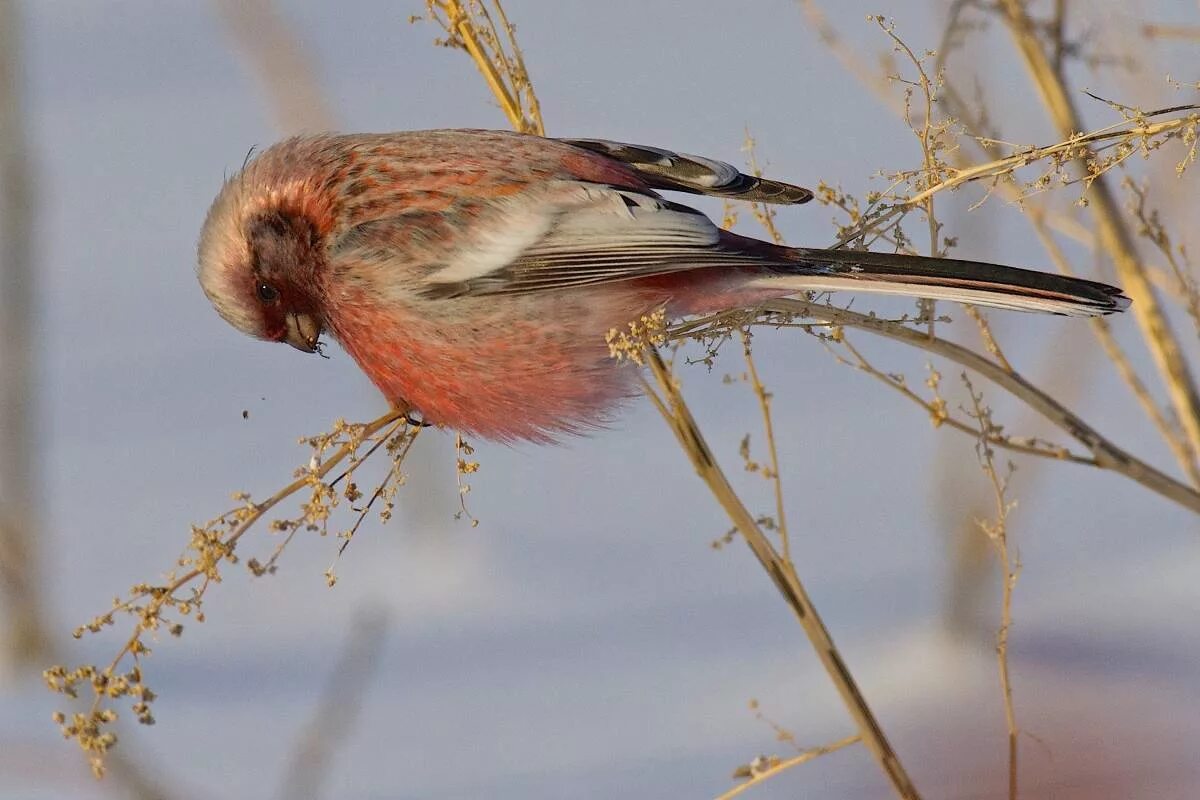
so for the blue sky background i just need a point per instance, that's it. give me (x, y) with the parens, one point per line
(583, 641)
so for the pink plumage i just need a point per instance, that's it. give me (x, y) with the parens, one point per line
(473, 274)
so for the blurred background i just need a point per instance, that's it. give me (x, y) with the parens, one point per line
(584, 640)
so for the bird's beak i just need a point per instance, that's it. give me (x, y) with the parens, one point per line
(303, 332)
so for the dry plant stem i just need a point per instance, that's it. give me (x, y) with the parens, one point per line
(463, 24)
(997, 533)
(1102, 330)
(277, 58)
(520, 74)
(1152, 229)
(989, 339)
(764, 405)
(154, 606)
(941, 416)
(677, 415)
(1107, 455)
(763, 213)
(992, 170)
(848, 56)
(1115, 238)
(1063, 224)
(25, 636)
(787, 763)
(340, 704)
(1041, 220)
(928, 137)
(1160, 31)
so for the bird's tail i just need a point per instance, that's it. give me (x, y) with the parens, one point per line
(973, 282)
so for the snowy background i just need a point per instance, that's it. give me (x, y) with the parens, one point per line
(584, 641)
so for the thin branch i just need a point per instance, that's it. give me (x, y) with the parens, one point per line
(211, 545)
(283, 66)
(1115, 237)
(764, 407)
(1108, 455)
(940, 415)
(24, 638)
(679, 418)
(1152, 30)
(339, 707)
(253, 514)
(997, 533)
(471, 27)
(784, 764)
(1102, 330)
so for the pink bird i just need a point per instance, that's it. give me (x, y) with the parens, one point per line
(473, 275)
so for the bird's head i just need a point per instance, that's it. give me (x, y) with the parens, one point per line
(261, 257)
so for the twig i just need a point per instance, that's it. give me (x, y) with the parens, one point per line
(339, 706)
(504, 73)
(24, 638)
(1102, 330)
(148, 603)
(1151, 228)
(764, 406)
(280, 62)
(997, 533)
(785, 764)
(678, 416)
(1153, 30)
(1041, 219)
(940, 415)
(1114, 235)
(1107, 455)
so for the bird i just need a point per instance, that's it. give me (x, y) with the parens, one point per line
(473, 274)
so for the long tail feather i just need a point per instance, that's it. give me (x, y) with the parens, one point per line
(973, 282)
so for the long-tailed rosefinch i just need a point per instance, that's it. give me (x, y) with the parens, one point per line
(473, 274)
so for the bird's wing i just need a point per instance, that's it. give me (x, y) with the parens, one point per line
(680, 172)
(591, 234)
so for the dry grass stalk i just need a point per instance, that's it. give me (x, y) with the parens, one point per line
(772, 470)
(1040, 219)
(763, 768)
(1107, 455)
(25, 640)
(278, 60)
(1114, 234)
(996, 531)
(213, 545)
(1102, 330)
(1152, 229)
(493, 48)
(1128, 136)
(669, 401)
(338, 708)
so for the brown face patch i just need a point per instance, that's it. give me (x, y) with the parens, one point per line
(285, 256)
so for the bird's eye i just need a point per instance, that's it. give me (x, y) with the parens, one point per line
(267, 293)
